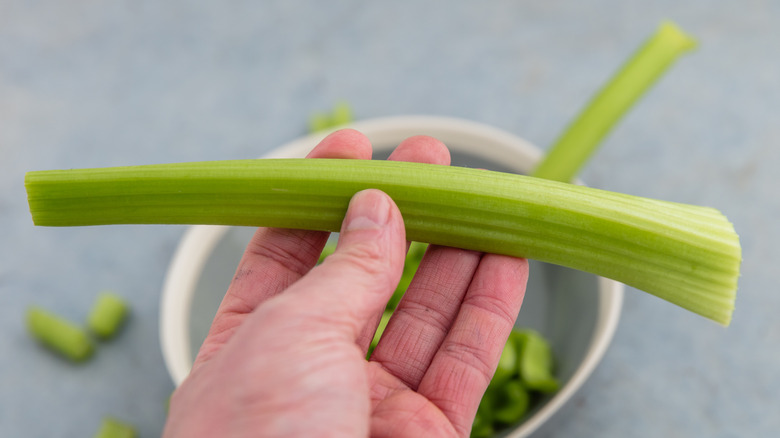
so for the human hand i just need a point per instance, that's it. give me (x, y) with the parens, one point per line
(285, 355)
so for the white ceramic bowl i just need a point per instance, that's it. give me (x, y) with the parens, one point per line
(577, 312)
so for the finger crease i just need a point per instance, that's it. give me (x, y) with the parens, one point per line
(492, 305)
(298, 261)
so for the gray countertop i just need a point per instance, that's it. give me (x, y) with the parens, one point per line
(102, 83)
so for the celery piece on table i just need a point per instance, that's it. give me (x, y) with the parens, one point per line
(688, 255)
(341, 114)
(112, 428)
(107, 315)
(319, 122)
(59, 334)
(581, 138)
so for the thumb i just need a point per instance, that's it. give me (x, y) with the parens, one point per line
(352, 286)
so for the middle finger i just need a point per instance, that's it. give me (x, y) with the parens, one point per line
(425, 315)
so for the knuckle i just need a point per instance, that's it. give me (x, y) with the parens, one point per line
(368, 256)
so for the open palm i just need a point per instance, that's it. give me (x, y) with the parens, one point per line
(286, 352)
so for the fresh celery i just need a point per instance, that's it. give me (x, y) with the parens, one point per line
(339, 116)
(513, 402)
(523, 376)
(59, 334)
(535, 364)
(582, 137)
(508, 362)
(685, 254)
(112, 428)
(319, 122)
(107, 315)
(483, 425)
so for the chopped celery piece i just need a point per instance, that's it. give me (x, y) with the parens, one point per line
(107, 315)
(685, 254)
(512, 402)
(319, 122)
(507, 364)
(508, 397)
(580, 140)
(113, 428)
(483, 425)
(59, 334)
(341, 115)
(536, 362)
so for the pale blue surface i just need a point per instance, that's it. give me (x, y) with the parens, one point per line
(99, 83)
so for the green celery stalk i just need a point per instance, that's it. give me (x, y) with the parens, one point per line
(582, 137)
(685, 254)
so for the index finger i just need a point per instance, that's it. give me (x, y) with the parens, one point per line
(465, 362)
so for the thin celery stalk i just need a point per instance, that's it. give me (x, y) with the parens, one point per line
(686, 254)
(581, 138)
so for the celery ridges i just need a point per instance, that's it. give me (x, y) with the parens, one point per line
(685, 254)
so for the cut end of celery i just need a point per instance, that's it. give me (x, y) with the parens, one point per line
(671, 32)
(715, 302)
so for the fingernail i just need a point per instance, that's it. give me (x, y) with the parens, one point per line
(368, 209)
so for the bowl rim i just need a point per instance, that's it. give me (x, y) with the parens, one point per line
(460, 135)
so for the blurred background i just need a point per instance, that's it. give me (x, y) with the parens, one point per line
(87, 83)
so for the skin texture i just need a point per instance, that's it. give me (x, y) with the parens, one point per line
(285, 356)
